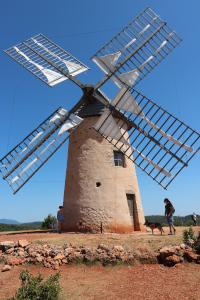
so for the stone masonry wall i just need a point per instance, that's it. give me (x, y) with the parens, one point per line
(87, 206)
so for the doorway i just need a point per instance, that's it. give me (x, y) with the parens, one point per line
(132, 208)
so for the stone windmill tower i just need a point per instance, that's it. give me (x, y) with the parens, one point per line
(101, 188)
(105, 136)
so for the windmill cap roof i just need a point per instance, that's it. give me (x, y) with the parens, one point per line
(94, 108)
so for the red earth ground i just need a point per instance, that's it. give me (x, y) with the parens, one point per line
(119, 282)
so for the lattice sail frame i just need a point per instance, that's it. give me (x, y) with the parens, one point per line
(151, 132)
(160, 143)
(144, 43)
(39, 66)
(23, 161)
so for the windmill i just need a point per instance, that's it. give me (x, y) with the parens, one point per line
(101, 190)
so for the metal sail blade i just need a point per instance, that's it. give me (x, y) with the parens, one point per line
(46, 60)
(23, 161)
(139, 47)
(161, 144)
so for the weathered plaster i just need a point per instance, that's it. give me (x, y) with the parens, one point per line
(86, 206)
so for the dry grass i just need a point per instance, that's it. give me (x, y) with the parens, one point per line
(132, 242)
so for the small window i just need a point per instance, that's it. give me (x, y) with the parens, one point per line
(118, 159)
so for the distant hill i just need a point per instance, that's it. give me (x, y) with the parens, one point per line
(32, 224)
(7, 221)
(14, 222)
(19, 227)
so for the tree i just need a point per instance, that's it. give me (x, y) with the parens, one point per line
(46, 224)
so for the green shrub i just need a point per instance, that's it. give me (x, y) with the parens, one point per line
(46, 224)
(189, 223)
(164, 225)
(33, 288)
(188, 234)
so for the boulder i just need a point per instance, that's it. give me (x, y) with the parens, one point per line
(118, 248)
(59, 256)
(23, 243)
(47, 265)
(6, 245)
(103, 247)
(14, 261)
(6, 268)
(38, 259)
(173, 259)
(167, 251)
(10, 250)
(190, 255)
(190, 242)
(55, 267)
(182, 246)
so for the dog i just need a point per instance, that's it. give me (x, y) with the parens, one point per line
(154, 225)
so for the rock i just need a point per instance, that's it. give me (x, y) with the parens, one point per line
(118, 248)
(190, 242)
(190, 255)
(68, 251)
(179, 251)
(148, 256)
(49, 259)
(89, 257)
(10, 250)
(71, 258)
(20, 253)
(23, 243)
(6, 245)
(173, 259)
(47, 265)
(13, 261)
(59, 256)
(6, 268)
(34, 254)
(182, 246)
(103, 247)
(55, 267)
(38, 259)
(167, 251)
(64, 261)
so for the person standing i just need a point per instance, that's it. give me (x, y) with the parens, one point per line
(169, 210)
(60, 218)
(194, 218)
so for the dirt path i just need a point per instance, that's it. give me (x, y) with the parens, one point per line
(121, 282)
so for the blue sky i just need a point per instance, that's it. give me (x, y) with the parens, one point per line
(71, 24)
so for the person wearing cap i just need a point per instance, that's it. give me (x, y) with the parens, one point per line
(60, 218)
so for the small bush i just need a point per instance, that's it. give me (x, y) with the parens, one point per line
(188, 234)
(189, 223)
(33, 289)
(46, 224)
(164, 225)
(196, 248)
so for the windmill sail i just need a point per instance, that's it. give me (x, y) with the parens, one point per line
(40, 65)
(106, 125)
(136, 49)
(22, 162)
(157, 139)
(125, 101)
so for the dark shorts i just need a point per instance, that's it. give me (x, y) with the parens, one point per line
(170, 219)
